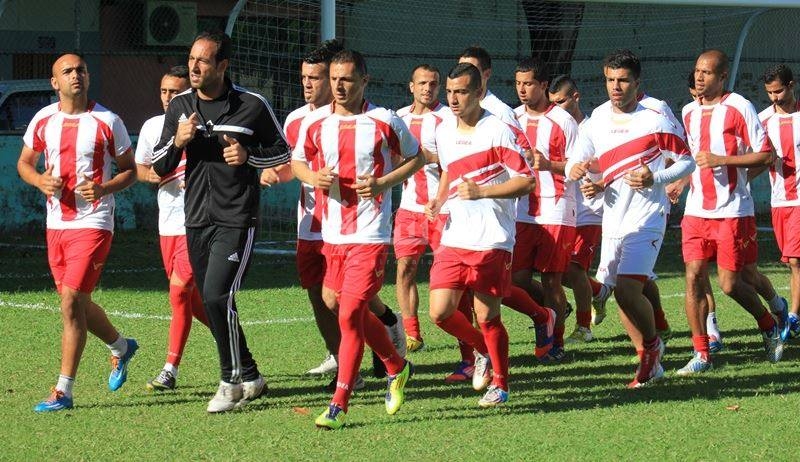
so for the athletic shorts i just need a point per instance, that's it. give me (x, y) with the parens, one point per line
(786, 223)
(310, 263)
(175, 254)
(413, 232)
(587, 238)
(731, 241)
(487, 272)
(355, 269)
(77, 256)
(544, 248)
(633, 256)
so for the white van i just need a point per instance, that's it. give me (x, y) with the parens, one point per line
(20, 99)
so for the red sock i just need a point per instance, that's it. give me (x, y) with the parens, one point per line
(198, 310)
(700, 343)
(661, 319)
(650, 344)
(351, 347)
(766, 321)
(465, 307)
(521, 301)
(496, 337)
(558, 336)
(595, 286)
(458, 326)
(411, 325)
(378, 340)
(584, 318)
(180, 324)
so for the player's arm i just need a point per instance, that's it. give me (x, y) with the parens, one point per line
(174, 139)
(272, 149)
(274, 175)
(434, 205)
(514, 187)
(369, 187)
(125, 177)
(706, 159)
(26, 166)
(754, 172)
(145, 174)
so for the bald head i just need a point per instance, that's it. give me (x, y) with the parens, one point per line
(716, 58)
(68, 60)
(70, 77)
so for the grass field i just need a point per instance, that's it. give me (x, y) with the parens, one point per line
(577, 410)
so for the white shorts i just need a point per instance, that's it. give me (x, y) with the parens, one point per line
(632, 255)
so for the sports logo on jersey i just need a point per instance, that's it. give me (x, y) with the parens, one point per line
(97, 265)
(234, 257)
(379, 273)
(182, 118)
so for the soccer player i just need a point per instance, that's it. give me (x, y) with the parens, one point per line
(719, 221)
(483, 170)
(184, 298)
(480, 58)
(355, 148)
(80, 140)
(781, 121)
(629, 144)
(545, 228)
(226, 133)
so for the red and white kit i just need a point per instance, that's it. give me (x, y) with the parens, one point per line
(633, 221)
(589, 220)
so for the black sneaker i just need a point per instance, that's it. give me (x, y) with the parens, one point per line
(164, 381)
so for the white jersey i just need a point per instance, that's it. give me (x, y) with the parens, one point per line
(422, 186)
(499, 109)
(619, 142)
(662, 107)
(783, 132)
(309, 217)
(75, 146)
(769, 111)
(355, 145)
(589, 211)
(553, 200)
(171, 216)
(728, 128)
(487, 155)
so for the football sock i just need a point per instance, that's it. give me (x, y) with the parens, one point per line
(711, 325)
(700, 343)
(411, 326)
(64, 385)
(458, 326)
(388, 318)
(520, 301)
(180, 299)
(496, 337)
(378, 340)
(119, 347)
(172, 369)
(766, 322)
(351, 347)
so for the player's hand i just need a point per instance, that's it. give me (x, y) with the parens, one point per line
(540, 162)
(589, 188)
(432, 209)
(269, 177)
(640, 178)
(152, 176)
(186, 131)
(324, 178)
(234, 154)
(579, 170)
(705, 159)
(468, 189)
(368, 187)
(48, 183)
(89, 190)
(674, 190)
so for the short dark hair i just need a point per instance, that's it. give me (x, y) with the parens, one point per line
(462, 69)
(425, 67)
(351, 56)
(778, 72)
(690, 80)
(224, 44)
(623, 59)
(534, 64)
(561, 82)
(324, 52)
(180, 71)
(480, 54)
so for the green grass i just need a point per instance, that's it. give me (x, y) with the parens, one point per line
(578, 410)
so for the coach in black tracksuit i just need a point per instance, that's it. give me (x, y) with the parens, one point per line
(227, 134)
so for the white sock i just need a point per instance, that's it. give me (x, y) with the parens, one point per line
(64, 385)
(119, 347)
(776, 304)
(711, 325)
(172, 369)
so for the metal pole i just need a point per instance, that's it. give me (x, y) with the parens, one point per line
(740, 45)
(233, 16)
(327, 20)
(77, 17)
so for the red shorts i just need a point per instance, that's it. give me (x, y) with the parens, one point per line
(355, 269)
(732, 241)
(413, 232)
(487, 272)
(786, 222)
(587, 238)
(545, 248)
(175, 255)
(310, 263)
(77, 256)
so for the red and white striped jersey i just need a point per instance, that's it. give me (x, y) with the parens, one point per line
(488, 155)
(728, 128)
(309, 218)
(355, 145)
(553, 200)
(769, 111)
(783, 131)
(620, 142)
(171, 216)
(589, 211)
(78, 145)
(423, 185)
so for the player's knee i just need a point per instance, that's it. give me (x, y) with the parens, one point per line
(406, 269)
(794, 264)
(729, 283)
